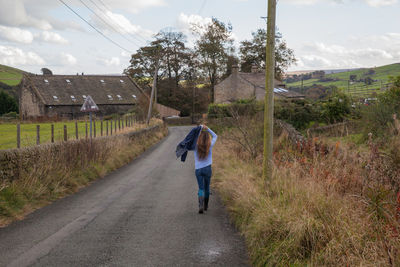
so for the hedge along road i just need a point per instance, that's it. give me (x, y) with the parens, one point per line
(144, 214)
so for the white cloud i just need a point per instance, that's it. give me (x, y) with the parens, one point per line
(372, 3)
(24, 13)
(52, 37)
(68, 59)
(378, 3)
(337, 50)
(114, 61)
(13, 56)
(14, 34)
(120, 23)
(125, 54)
(134, 6)
(186, 22)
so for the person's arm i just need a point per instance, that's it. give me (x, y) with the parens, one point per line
(214, 136)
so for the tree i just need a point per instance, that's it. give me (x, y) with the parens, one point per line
(253, 52)
(172, 45)
(46, 71)
(213, 47)
(7, 103)
(353, 77)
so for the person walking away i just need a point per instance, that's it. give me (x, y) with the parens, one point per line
(203, 162)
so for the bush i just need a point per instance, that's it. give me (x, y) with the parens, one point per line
(336, 109)
(7, 103)
(299, 113)
(243, 107)
(378, 118)
(12, 115)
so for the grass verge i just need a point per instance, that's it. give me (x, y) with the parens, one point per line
(61, 169)
(313, 212)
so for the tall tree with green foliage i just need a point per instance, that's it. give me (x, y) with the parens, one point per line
(213, 47)
(253, 52)
(7, 103)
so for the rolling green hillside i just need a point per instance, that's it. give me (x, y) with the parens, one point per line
(10, 76)
(381, 77)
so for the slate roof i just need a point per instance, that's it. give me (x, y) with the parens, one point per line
(258, 80)
(72, 89)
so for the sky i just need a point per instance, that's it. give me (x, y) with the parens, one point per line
(324, 34)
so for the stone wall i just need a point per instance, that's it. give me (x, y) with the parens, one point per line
(233, 88)
(30, 105)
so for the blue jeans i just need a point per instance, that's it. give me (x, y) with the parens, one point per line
(203, 176)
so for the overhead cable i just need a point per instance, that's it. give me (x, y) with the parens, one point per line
(101, 33)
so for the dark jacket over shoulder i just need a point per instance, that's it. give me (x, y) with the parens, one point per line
(188, 144)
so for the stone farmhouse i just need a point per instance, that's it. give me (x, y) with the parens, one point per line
(46, 96)
(241, 85)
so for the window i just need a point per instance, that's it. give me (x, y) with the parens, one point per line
(84, 96)
(55, 98)
(102, 81)
(110, 97)
(119, 97)
(46, 81)
(121, 81)
(134, 96)
(73, 98)
(68, 81)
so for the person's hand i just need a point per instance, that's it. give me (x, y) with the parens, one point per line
(205, 128)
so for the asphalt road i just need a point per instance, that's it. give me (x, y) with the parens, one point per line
(144, 214)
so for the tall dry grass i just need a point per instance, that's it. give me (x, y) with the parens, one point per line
(53, 171)
(324, 206)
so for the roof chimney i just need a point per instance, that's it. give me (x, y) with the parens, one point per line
(254, 68)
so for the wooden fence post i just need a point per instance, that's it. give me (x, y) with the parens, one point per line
(86, 130)
(18, 135)
(106, 128)
(76, 130)
(111, 128)
(52, 133)
(119, 123)
(94, 128)
(65, 133)
(115, 125)
(37, 134)
(101, 128)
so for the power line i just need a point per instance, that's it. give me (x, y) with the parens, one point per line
(104, 11)
(106, 8)
(105, 36)
(201, 7)
(108, 24)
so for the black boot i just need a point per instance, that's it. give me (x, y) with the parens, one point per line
(201, 204)
(206, 203)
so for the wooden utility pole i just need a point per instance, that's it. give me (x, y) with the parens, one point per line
(269, 93)
(153, 88)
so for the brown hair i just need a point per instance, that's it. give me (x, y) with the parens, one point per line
(203, 144)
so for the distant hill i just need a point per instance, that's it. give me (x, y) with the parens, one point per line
(378, 76)
(10, 76)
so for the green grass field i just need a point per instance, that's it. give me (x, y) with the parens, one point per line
(10, 76)
(382, 74)
(8, 132)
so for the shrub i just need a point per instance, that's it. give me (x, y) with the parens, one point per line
(299, 113)
(7, 103)
(378, 118)
(336, 109)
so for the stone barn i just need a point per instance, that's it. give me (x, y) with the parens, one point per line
(241, 85)
(46, 96)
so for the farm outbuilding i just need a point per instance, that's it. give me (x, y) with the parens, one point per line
(241, 85)
(46, 96)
